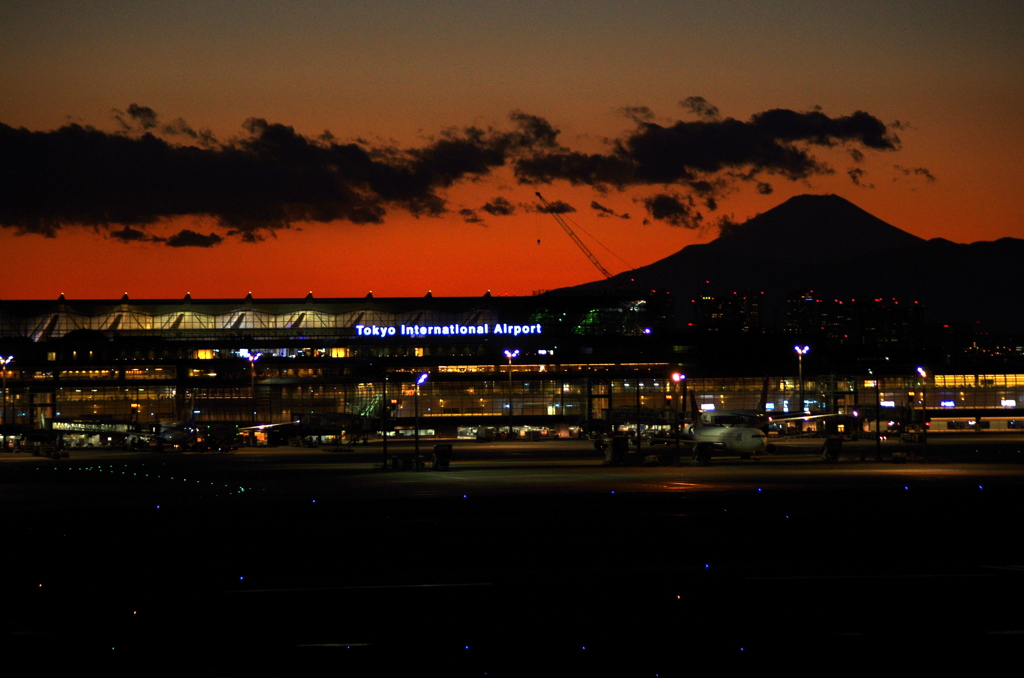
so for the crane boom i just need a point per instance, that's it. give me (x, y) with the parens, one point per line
(575, 238)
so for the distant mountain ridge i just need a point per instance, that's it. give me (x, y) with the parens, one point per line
(827, 244)
(791, 230)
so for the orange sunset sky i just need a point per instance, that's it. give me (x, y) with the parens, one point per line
(648, 99)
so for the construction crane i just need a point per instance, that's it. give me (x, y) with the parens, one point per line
(575, 238)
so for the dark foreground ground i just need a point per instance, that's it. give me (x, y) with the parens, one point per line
(520, 560)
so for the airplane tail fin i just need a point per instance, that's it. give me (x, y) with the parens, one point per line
(763, 402)
(697, 423)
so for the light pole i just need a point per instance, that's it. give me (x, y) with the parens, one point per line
(3, 368)
(679, 379)
(638, 385)
(416, 434)
(924, 407)
(800, 351)
(384, 405)
(510, 353)
(252, 358)
(878, 415)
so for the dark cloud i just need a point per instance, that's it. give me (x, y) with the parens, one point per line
(135, 116)
(556, 207)
(925, 173)
(700, 107)
(691, 154)
(674, 209)
(499, 207)
(271, 177)
(817, 128)
(189, 238)
(178, 126)
(129, 234)
(603, 211)
(533, 132)
(726, 225)
(637, 113)
(141, 119)
(577, 168)
(915, 171)
(857, 177)
(470, 216)
(765, 188)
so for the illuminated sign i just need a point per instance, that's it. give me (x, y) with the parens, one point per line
(85, 427)
(947, 403)
(888, 403)
(707, 407)
(1008, 403)
(455, 329)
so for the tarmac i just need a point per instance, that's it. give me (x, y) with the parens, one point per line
(523, 558)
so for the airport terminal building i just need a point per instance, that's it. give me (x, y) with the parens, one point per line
(542, 365)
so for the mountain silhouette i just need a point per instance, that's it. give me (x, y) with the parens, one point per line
(829, 245)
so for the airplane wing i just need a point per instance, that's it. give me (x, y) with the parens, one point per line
(264, 427)
(798, 417)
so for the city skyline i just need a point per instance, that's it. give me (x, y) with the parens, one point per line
(912, 113)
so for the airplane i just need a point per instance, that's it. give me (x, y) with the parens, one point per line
(176, 434)
(741, 431)
(180, 435)
(732, 431)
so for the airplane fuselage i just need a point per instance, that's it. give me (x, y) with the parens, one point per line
(741, 439)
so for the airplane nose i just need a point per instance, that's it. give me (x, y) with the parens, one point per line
(758, 440)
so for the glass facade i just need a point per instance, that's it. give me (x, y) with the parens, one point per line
(582, 360)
